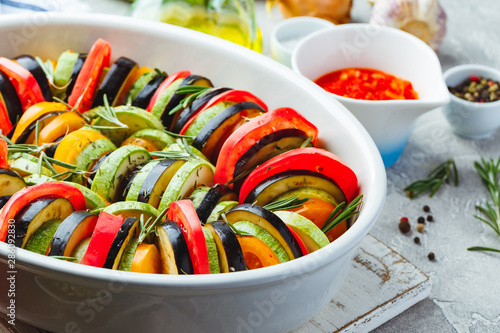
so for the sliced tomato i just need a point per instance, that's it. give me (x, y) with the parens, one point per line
(86, 83)
(309, 158)
(24, 82)
(164, 85)
(4, 164)
(104, 233)
(31, 193)
(183, 213)
(246, 136)
(257, 253)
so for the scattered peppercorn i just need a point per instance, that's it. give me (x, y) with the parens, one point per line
(431, 256)
(426, 209)
(421, 219)
(430, 218)
(420, 227)
(416, 240)
(404, 225)
(477, 89)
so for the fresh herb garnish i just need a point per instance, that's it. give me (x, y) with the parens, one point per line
(238, 232)
(306, 142)
(341, 213)
(290, 203)
(148, 227)
(175, 135)
(63, 258)
(489, 171)
(177, 155)
(193, 91)
(443, 173)
(108, 113)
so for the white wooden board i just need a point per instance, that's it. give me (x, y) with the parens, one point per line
(380, 285)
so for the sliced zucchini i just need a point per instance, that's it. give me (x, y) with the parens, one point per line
(122, 238)
(36, 213)
(133, 209)
(268, 221)
(228, 248)
(197, 196)
(221, 208)
(173, 249)
(75, 228)
(135, 118)
(41, 238)
(128, 255)
(25, 165)
(212, 197)
(158, 138)
(10, 182)
(143, 90)
(36, 178)
(92, 199)
(62, 73)
(276, 185)
(92, 153)
(80, 249)
(115, 168)
(213, 255)
(191, 175)
(308, 192)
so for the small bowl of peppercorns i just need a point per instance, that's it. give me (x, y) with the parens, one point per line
(474, 108)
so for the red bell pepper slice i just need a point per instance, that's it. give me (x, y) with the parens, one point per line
(104, 233)
(299, 241)
(31, 193)
(243, 138)
(183, 213)
(86, 83)
(5, 124)
(24, 82)
(164, 85)
(236, 96)
(309, 158)
(4, 164)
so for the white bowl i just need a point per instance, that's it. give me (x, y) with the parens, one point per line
(286, 35)
(63, 296)
(470, 119)
(390, 50)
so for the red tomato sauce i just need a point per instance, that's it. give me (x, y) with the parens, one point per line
(367, 84)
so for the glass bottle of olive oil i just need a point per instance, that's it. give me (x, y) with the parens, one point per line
(233, 20)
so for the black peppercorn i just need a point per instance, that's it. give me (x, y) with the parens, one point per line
(430, 218)
(421, 219)
(427, 209)
(431, 256)
(416, 240)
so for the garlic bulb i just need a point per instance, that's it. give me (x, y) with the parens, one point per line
(425, 19)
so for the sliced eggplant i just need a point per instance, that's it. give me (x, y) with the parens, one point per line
(74, 74)
(122, 238)
(197, 196)
(144, 96)
(52, 148)
(127, 183)
(36, 213)
(270, 222)
(213, 131)
(150, 185)
(75, 228)
(173, 249)
(276, 185)
(192, 80)
(10, 182)
(231, 257)
(114, 80)
(193, 108)
(28, 135)
(268, 146)
(97, 165)
(213, 196)
(11, 100)
(33, 66)
(3, 200)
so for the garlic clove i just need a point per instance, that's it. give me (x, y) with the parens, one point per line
(424, 19)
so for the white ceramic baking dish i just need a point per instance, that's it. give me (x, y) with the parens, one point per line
(67, 297)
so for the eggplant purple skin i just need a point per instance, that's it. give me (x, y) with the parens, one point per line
(234, 253)
(126, 183)
(65, 231)
(167, 118)
(144, 96)
(24, 217)
(210, 200)
(151, 179)
(34, 68)
(74, 73)
(11, 100)
(96, 166)
(4, 199)
(113, 81)
(179, 245)
(214, 123)
(273, 219)
(194, 107)
(119, 240)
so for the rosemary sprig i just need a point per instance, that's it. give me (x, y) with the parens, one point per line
(237, 231)
(489, 171)
(307, 142)
(176, 135)
(443, 173)
(341, 213)
(183, 143)
(290, 203)
(192, 93)
(63, 258)
(178, 155)
(108, 113)
(148, 227)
